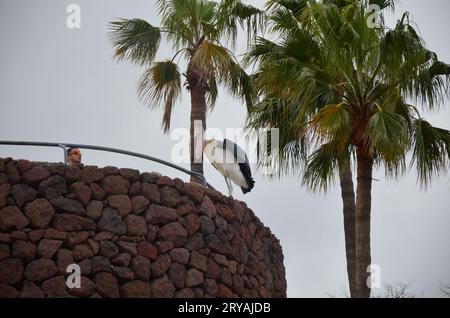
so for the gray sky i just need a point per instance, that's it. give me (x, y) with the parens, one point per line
(61, 85)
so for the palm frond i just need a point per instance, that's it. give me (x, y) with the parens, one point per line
(332, 122)
(211, 60)
(135, 40)
(387, 133)
(431, 150)
(321, 168)
(161, 83)
(234, 13)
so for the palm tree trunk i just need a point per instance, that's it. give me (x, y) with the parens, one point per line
(362, 221)
(348, 203)
(198, 112)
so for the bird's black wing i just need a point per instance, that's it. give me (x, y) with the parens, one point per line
(241, 158)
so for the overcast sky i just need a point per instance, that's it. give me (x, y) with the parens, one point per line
(61, 85)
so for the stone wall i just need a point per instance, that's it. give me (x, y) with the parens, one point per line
(132, 234)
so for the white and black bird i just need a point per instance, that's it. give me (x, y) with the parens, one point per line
(231, 161)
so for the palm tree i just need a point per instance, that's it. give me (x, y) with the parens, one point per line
(200, 31)
(342, 93)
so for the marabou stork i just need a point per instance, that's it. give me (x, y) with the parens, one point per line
(231, 161)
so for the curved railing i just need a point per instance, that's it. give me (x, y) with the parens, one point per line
(66, 146)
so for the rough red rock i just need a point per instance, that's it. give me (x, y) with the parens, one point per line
(152, 231)
(173, 232)
(23, 165)
(195, 191)
(100, 264)
(103, 236)
(36, 235)
(157, 214)
(177, 275)
(31, 290)
(95, 246)
(223, 291)
(123, 259)
(19, 235)
(135, 189)
(55, 287)
(114, 184)
(135, 289)
(136, 225)
(11, 271)
(139, 203)
(53, 187)
(147, 250)
(69, 222)
(161, 265)
(127, 247)
(108, 249)
(4, 251)
(112, 222)
(64, 205)
(40, 269)
(94, 210)
(26, 251)
(81, 252)
(107, 285)
(186, 208)
(164, 246)
(82, 192)
(35, 175)
(210, 287)
(199, 261)
(54, 234)
(151, 192)
(64, 258)
(169, 197)
(225, 211)
(213, 270)
(131, 174)
(47, 248)
(141, 267)
(23, 193)
(192, 223)
(7, 291)
(12, 218)
(122, 273)
(180, 255)
(97, 192)
(110, 170)
(162, 288)
(185, 293)
(74, 238)
(165, 181)
(91, 174)
(87, 288)
(206, 225)
(195, 242)
(121, 203)
(194, 277)
(207, 207)
(4, 192)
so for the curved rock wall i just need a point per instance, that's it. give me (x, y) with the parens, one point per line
(132, 235)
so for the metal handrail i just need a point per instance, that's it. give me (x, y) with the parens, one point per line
(66, 146)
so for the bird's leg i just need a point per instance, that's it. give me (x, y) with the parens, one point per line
(230, 188)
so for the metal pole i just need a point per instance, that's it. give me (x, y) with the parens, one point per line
(125, 152)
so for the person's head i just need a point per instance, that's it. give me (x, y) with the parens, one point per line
(75, 152)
